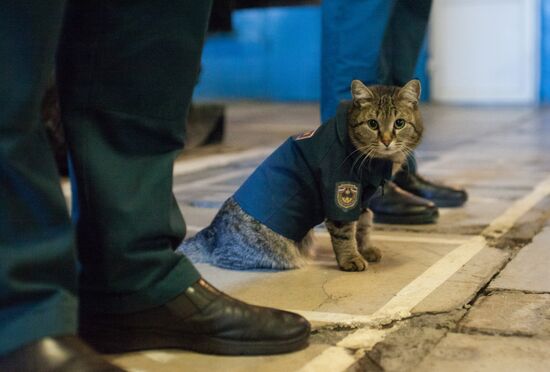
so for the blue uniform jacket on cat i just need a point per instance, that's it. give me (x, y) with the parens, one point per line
(310, 177)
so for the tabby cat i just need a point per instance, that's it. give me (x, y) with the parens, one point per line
(327, 174)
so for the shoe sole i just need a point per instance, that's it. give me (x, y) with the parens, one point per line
(421, 219)
(121, 341)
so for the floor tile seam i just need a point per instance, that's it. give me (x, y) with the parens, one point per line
(206, 182)
(496, 290)
(534, 337)
(184, 167)
(492, 332)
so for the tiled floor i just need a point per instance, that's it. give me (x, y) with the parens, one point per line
(498, 154)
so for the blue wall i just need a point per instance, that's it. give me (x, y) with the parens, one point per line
(272, 54)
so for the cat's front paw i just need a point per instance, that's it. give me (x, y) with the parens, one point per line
(371, 254)
(354, 263)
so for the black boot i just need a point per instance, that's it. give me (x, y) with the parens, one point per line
(59, 354)
(441, 195)
(201, 319)
(396, 206)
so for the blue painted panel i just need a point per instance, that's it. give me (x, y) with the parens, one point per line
(233, 65)
(272, 54)
(294, 49)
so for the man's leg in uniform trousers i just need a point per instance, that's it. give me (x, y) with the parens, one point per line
(400, 49)
(38, 277)
(126, 72)
(351, 39)
(387, 37)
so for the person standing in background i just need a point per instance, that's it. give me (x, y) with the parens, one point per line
(378, 42)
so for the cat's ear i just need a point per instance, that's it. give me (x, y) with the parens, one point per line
(410, 93)
(361, 93)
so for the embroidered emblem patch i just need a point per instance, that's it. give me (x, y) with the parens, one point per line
(347, 195)
(306, 135)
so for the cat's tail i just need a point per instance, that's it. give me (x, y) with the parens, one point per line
(235, 240)
(199, 247)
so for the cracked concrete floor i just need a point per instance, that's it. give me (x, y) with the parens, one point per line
(468, 293)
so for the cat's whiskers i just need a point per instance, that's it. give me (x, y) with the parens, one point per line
(375, 151)
(364, 154)
(354, 151)
(360, 149)
(404, 145)
(406, 150)
(368, 156)
(367, 150)
(359, 168)
(357, 160)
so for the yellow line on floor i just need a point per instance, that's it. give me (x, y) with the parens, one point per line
(500, 225)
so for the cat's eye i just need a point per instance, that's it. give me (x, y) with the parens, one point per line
(399, 124)
(372, 124)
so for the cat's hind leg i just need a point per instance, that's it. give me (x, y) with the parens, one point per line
(306, 245)
(342, 235)
(364, 244)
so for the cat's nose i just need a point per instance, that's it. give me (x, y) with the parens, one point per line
(386, 140)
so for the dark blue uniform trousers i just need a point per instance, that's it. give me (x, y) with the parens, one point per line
(125, 71)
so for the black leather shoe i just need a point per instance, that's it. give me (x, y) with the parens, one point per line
(59, 354)
(201, 319)
(441, 195)
(396, 206)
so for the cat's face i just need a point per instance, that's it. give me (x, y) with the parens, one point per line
(384, 122)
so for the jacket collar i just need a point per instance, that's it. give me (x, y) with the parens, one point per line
(342, 123)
